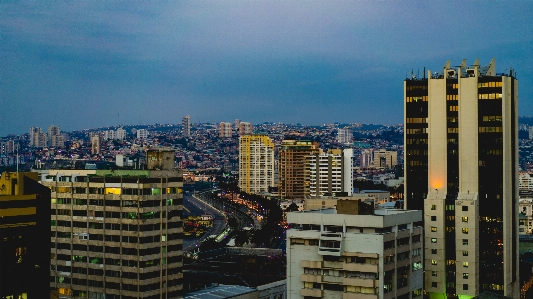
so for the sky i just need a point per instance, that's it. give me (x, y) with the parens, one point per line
(89, 64)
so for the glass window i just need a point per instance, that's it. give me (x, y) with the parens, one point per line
(433, 240)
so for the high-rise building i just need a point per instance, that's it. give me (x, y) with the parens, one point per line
(121, 134)
(531, 132)
(245, 128)
(224, 130)
(294, 168)
(116, 234)
(96, 145)
(7, 147)
(256, 163)
(236, 123)
(37, 137)
(331, 172)
(366, 159)
(142, 133)
(354, 251)
(57, 140)
(186, 126)
(53, 131)
(344, 135)
(24, 236)
(461, 157)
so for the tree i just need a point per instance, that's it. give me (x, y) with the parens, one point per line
(292, 208)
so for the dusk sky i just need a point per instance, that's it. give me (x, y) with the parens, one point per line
(88, 64)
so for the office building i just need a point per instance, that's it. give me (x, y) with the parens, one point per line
(461, 157)
(353, 252)
(96, 148)
(24, 236)
(385, 159)
(245, 128)
(344, 135)
(160, 158)
(256, 163)
(116, 233)
(186, 126)
(331, 172)
(224, 130)
(142, 134)
(294, 168)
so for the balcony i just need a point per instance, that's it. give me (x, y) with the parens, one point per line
(360, 267)
(360, 282)
(311, 292)
(358, 296)
(310, 278)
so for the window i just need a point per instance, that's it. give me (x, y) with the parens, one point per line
(465, 287)
(417, 266)
(433, 240)
(465, 252)
(465, 241)
(433, 218)
(434, 284)
(465, 275)
(433, 251)
(433, 207)
(464, 208)
(465, 219)
(465, 230)
(433, 262)
(433, 229)
(434, 273)
(465, 264)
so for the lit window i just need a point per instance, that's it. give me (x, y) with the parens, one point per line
(465, 264)
(465, 252)
(465, 275)
(433, 207)
(465, 219)
(433, 262)
(434, 273)
(465, 230)
(433, 240)
(433, 229)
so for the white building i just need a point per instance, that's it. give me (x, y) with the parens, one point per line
(121, 134)
(345, 135)
(352, 252)
(142, 133)
(186, 126)
(525, 181)
(331, 172)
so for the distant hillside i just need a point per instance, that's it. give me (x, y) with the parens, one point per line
(526, 120)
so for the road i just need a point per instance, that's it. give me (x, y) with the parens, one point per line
(197, 207)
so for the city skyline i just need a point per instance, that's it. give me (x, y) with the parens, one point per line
(97, 64)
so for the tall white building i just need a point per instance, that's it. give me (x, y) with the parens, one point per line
(121, 134)
(344, 135)
(224, 130)
(256, 163)
(37, 137)
(354, 252)
(142, 133)
(331, 172)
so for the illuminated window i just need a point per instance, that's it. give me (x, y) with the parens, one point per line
(465, 252)
(465, 264)
(433, 229)
(115, 191)
(465, 275)
(434, 273)
(433, 262)
(465, 219)
(433, 207)
(433, 240)
(465, 230)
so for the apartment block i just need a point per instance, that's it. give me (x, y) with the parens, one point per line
(116, 234)
(186, 126)
(294, 168)
(331, 172)
(344, 135)
(224, 130)
(354, 251)
(256, 163)
(245, 128)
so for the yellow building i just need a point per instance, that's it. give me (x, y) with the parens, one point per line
(256, 163)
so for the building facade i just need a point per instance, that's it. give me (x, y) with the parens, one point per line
(96, 145)
(344, 135)
(245, 128)
(256, 163)
(331, 172)
(25, 236)
(186, 126)
(37, 137)
(294, 168)
(354, 252)
(116, 234)
(461, 157)
(385, 159)
(224, 130)
(142, 134)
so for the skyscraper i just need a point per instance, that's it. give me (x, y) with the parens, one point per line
(345, 135)
(294, 168)
(186, 126)
(256, 163)
(461, 157)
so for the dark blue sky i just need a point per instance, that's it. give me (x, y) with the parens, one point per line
(89, 64)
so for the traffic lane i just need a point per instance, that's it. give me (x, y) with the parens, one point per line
(197, 207)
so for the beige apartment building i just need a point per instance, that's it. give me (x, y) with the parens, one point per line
(256, 163)
(354, 252)
(294, 168)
